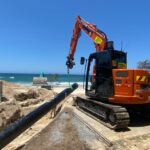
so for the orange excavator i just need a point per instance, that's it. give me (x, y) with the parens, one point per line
(114, 90)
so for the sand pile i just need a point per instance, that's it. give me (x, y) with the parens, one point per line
(9, 112)
(19, 100)
(22, 96)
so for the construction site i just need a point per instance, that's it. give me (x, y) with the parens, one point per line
(110, 111)
(71, 128)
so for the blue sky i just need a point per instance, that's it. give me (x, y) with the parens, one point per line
(35, 34)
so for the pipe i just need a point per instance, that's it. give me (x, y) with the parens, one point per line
(16, 128)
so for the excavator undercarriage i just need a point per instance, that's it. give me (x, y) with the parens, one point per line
(113, 116)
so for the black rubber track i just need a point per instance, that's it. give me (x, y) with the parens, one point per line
(113, 116)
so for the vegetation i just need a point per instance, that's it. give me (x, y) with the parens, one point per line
(144, 64)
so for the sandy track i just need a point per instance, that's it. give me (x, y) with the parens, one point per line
(66, 132)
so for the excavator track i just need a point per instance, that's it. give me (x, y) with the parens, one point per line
(113, 116)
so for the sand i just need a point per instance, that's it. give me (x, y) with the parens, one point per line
(137, 138)
(35, 129)
(19, 100)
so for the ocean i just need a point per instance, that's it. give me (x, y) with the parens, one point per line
(54, 79)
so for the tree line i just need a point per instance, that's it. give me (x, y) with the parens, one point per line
(145, 64)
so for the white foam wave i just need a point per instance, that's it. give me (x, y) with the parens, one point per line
(64, 83)
(54, 84)
(24, 83)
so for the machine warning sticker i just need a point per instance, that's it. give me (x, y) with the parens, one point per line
(98, 40)
(140, 78)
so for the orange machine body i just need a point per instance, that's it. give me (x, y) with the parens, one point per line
(131, 86)
(114, 90)
(98, 37)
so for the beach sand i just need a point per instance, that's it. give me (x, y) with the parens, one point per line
(19, 100)
(16, 105)
(138, 137)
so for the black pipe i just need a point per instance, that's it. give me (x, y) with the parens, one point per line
(15, 129)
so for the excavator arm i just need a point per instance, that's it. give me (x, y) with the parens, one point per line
(98, 37)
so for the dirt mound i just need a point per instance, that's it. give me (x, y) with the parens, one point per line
(9, 112)
(26, 95)
(19, 100)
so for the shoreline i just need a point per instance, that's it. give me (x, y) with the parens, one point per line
(55, 80)
(53, 84)
(19, 107)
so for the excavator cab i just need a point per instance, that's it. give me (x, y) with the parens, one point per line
(101, 87)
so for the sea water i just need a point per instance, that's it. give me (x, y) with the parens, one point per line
(54, 79)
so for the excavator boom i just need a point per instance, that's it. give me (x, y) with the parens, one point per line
(98, 37)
